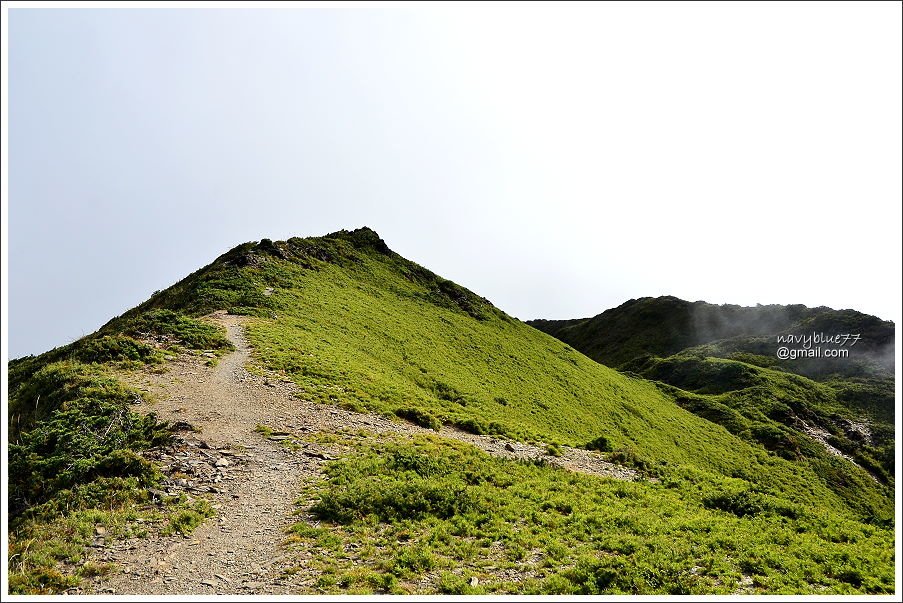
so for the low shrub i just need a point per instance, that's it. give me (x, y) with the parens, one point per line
(471, 425)
(114, 348)
(602, 444)
(86, 431)
(185, 522)
(630, 458)
(420, 417)
(392, 499)
(189, 332)
(749, 502)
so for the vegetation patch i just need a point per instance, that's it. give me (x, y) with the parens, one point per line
(47, 547)
(774, 409)
(419, 417)
(428, 515)
(76, 474)
(185, 521)
(116, 348)
(178, 328)
(554, 449)
(601, 444)
(355, 327)
(734, 485)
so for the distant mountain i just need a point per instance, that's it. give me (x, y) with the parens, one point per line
(661, 326)
(722, 363)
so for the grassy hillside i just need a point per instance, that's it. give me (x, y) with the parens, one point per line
(720, 362)
(790, 415)
(354, 324)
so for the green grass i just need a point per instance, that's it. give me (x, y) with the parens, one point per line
(420, 417)
(426, 515)
(48, 544)
(47, 557)
(185, 521)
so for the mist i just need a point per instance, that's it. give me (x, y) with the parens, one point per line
(557, 162)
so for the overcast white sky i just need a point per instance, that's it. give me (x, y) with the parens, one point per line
(557, 160)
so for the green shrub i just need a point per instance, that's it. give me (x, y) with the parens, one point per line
(443, 391)
(472, 425)
(413, 560)
(601, 444)
(424, 465)
(84, 431)
(393, 502)
(186, 331)
(392, 499)
(420, 417)
(73, 461)
(617, 575)
(776, 439)
(749, 502)
(452, 584)
(185, 522)
(630, 458)
(114, 348)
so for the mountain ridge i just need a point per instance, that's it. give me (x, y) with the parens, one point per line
(662, 326)
(358, 328)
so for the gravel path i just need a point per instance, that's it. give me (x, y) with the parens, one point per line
(252, 481)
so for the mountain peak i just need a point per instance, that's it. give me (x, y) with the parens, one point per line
(362, 237)
(402, 381)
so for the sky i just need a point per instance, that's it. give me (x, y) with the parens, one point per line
(556, 160)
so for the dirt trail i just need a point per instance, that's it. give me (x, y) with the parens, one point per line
(252, 481)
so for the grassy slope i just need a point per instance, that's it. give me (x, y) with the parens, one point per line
(721, 363)
(430, 515)
(354, 324)
(358, 325)
(774, 408)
